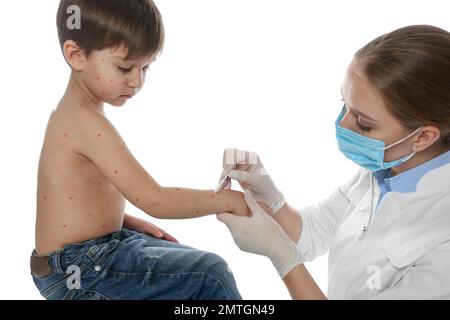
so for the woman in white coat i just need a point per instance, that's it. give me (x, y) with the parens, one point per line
(387, 230)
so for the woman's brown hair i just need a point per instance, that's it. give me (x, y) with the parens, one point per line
(410, 67)
(136, 24)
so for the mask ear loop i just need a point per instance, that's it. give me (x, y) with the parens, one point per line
(400, 141)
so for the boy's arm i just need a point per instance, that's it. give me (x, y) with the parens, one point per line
(98, 140)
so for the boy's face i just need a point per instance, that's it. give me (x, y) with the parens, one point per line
(112, 79)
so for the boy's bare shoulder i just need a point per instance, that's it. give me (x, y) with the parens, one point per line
(63, 139)
(70, 117)
(79, 125)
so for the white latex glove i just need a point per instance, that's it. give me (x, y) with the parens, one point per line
(262, 235)
(246, 167)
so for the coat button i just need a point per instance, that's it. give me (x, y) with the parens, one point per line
(97, 268)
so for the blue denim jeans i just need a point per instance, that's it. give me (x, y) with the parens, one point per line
(130, 265)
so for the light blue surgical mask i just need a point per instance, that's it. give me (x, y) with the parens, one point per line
(366, 152)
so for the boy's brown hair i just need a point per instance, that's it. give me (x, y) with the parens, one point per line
(136, 24)
(410, 67)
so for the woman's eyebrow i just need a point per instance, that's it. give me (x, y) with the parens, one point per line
(356, 111)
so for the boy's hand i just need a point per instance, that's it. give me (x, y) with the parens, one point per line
(145, 227)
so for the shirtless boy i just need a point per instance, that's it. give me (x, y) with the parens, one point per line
(86, 246)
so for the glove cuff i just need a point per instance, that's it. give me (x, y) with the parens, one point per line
(284, 272)
(285, 255)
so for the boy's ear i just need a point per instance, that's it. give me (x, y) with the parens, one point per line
(74, 55)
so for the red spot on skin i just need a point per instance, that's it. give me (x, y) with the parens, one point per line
(45, 197)
(198, 211)
(124, 82)
(103, 226)
(115, 171)
(112, 81)
(64, 226)
(103, 92)
(98, 78)
(228, 205)
(178, 189)
(103, 59)
(70, 198)
(99, 183)
(99, 135)
(65, 135)
(212, 196)
(90, 214)
(137, 199)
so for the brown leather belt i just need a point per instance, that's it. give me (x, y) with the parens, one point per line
(39, 266)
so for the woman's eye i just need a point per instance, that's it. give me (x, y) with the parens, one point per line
(124, 70)
(363, 128)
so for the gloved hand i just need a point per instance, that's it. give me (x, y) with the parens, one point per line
(262, 235)
(246, 167)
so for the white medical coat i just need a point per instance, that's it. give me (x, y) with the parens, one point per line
(404, 252)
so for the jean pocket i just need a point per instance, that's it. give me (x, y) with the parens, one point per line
(56, 286)
(56, 289)
(98, 253)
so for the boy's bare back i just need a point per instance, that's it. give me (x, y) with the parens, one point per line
(75, 201)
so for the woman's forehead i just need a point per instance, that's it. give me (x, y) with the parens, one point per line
(361, 96)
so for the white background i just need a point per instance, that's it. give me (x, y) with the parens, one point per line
(257, 75)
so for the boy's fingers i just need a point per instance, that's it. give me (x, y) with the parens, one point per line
(168, 236)
(154, 231)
